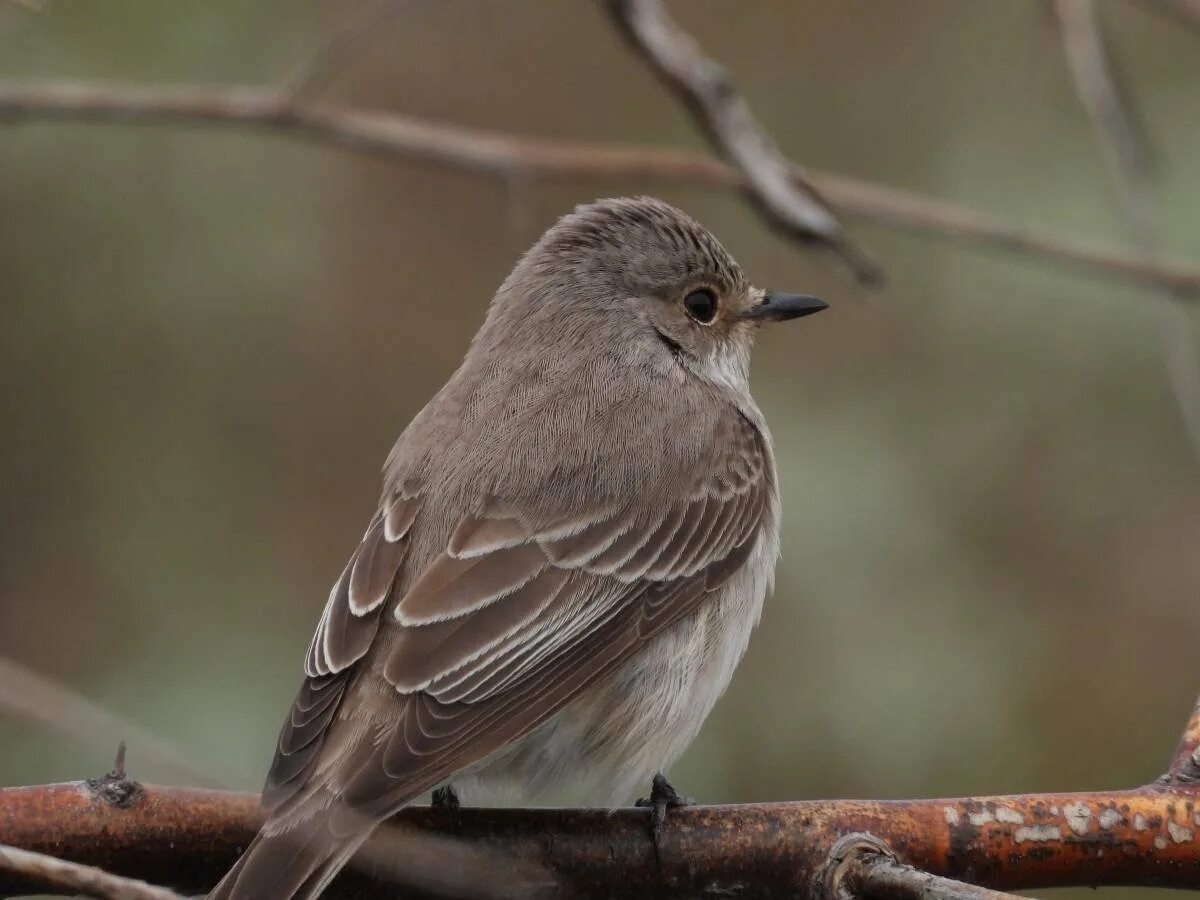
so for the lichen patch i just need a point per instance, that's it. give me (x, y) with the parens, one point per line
(1079, 817)
(1037, 833)
(1179, 833)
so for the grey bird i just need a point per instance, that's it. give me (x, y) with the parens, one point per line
(572, 548)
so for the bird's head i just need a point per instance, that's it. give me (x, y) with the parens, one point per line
(639, 271)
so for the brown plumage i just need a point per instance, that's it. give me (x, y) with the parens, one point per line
(573, 544)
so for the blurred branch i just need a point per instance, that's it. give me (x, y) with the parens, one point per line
(48, 873)
(1186, 11)
(779, 188)
(492, 153)
(331, 57)
(58, 708)
(1103, 97)
(909, 211)
(1122, 143)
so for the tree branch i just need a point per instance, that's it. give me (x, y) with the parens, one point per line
(327, 61)
(46, 872)
(780, 189)
(187, 838)
(1122, 142)
(1184, 767)
(862, 867)
(1102, 95)
(884, 879)
(1186, 11)
(829, 849)
(491, 153)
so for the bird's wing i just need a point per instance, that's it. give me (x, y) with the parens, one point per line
(344, 634)
(515, 617)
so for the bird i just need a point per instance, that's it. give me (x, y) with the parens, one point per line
(573, 545)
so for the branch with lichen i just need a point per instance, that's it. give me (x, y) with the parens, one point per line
(186, 838)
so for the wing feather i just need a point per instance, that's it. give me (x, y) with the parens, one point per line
(667, 563)
(653, 546)
(620, 552)
(477, 535)
(300, 740)
(581, 548)
(522, 653)
(453, 587)
(345, 632)
(425, 652)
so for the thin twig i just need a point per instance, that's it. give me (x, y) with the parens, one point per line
(507, 155)
(914, 212)
(863, 867)
(48, 873)
(1100, 92)
(56, 707)
(887, 879)
(1122, 144)
(779, 188)
(312, 75)
(1184, 767)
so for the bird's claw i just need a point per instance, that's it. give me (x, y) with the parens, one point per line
(446, 798)
(663, 796)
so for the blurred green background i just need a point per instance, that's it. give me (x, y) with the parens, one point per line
(210, 338)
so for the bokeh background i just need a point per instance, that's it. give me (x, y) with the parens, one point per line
(210, 339)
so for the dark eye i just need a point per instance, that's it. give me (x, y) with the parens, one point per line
(701, 305)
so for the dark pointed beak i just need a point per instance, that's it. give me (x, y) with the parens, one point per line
(778, 307)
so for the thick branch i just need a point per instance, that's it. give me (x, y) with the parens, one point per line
(187, 838)
(492, 153)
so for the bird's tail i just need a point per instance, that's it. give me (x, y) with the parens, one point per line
(293, 863)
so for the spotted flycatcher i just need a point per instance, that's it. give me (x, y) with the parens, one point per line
(572, 547)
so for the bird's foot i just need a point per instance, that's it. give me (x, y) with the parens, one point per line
(446, 798)
(663, 796)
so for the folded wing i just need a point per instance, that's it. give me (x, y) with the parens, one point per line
(515, 617)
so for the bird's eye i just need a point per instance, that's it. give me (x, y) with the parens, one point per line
(701, 305)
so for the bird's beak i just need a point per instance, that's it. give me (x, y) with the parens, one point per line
(776, 306)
